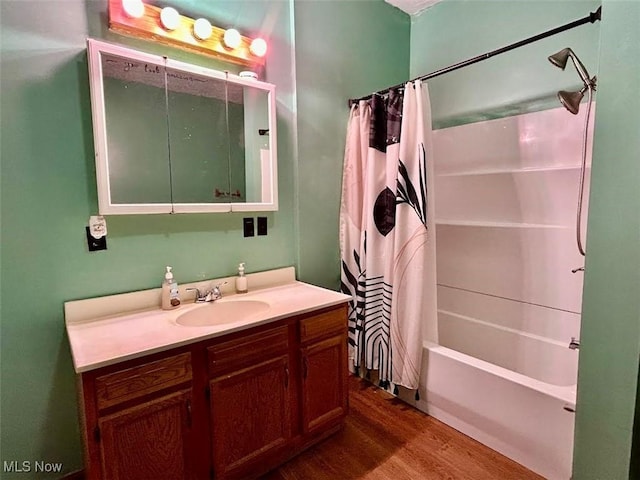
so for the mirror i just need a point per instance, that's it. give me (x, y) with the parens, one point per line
(172, 137)
(200, 124)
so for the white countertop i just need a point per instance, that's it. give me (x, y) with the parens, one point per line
(108, 339)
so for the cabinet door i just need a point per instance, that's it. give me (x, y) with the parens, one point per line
(324, 376)
(250, 417)
(149, 441)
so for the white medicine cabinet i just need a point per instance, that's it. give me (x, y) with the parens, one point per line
(172, 137)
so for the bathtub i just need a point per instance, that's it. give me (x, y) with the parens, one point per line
(496, 362)
(519, 403)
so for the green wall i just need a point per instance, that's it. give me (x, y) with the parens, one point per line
(610, 337)
(344, 49)
(523, 80)
(48, 192)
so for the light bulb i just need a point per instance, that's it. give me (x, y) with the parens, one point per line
(133, 8)
(232, 38)
(170, 18)
(202, 28)
(258, 47)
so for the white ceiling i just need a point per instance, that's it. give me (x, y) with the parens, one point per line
(412, 7)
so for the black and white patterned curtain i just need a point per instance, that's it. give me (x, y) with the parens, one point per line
(384, 233)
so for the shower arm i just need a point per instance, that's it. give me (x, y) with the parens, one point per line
(582, 71)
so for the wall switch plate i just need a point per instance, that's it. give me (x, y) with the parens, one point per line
(95, 244)
(247, 224)
(262, 225)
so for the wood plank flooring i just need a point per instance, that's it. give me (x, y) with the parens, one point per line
(384, 438)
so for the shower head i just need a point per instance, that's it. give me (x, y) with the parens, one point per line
(560, 59)
(571, 100)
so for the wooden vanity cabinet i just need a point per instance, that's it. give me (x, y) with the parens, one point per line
(232, 407)
(323, 355)
(250, 401)
(139, 421)
(131, 439)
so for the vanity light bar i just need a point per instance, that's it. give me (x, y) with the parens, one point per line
(181, 32)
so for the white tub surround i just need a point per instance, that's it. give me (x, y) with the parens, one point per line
(107, 330)
(527, 339)
(506, 194)
(508, 303)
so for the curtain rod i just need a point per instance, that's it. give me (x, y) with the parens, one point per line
(591, 18)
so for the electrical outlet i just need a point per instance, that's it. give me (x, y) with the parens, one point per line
(95, 244)
(262, 225)
(247, 224)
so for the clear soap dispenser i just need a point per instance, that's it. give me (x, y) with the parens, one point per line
(170, 294)
(241, 280)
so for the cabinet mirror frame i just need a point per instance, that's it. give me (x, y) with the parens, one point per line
(269, 181)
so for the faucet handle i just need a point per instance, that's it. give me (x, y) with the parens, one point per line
(215, 291)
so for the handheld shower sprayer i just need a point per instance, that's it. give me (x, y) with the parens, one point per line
(571, 100)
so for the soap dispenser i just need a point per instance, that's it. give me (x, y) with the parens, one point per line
(170, 295)
(241, 280)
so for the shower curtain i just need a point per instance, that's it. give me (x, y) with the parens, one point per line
(384, 232)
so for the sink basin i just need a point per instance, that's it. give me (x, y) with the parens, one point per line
(221, 312)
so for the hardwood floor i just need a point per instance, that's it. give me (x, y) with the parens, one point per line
(384, 438)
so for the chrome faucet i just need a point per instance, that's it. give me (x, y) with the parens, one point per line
(574, 344)
(208, 295)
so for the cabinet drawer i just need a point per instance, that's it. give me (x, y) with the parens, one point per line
(118, 387)
(323, 325)
(247, 350)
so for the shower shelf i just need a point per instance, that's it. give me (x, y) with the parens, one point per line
(505, 171)
(466, 223)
